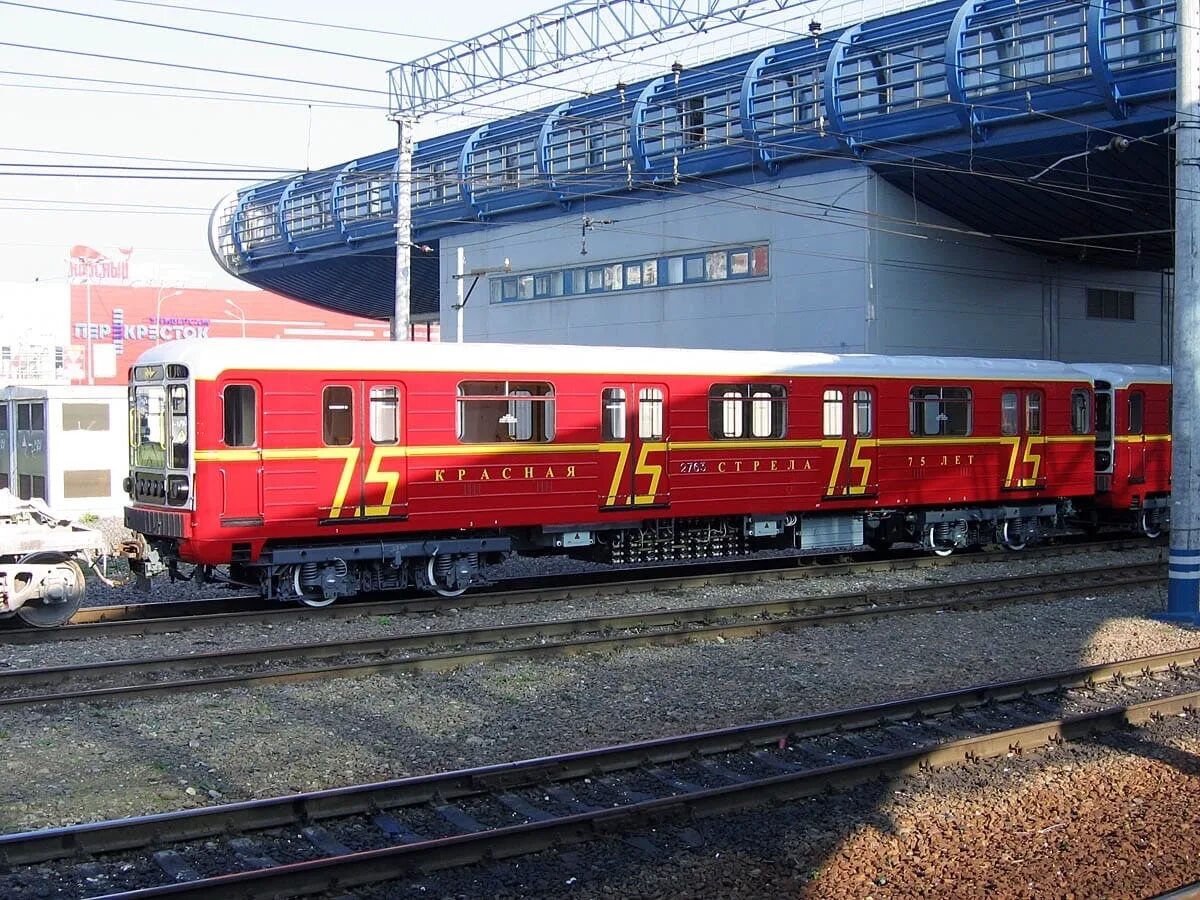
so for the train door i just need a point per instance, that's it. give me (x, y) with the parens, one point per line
(848, 413)
(1105, 435)
(364, 419)
(1022, 423)
(634, 436)
(241, 465)
(1136, 431)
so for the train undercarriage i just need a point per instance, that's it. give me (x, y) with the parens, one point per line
(450, 564)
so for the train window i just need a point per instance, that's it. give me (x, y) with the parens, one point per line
(177, 418)
(747, 410)
(1008, 413)
(240, 415)
(833, 414)
(864, 425)
(1081, 411)
(337, 418)
(940, 411)
(385, 415)
(1033, 412)
(498, 411)
(1137, 403)
(31, 417)
(650, 414)
(612, 405)
(4, 418)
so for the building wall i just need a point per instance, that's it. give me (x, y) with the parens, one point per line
(812, 299)
(856, 265)
(939, 290)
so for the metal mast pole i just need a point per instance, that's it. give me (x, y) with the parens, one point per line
(1183, 591)
(404, 155)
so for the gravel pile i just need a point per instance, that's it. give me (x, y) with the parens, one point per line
(79, 763)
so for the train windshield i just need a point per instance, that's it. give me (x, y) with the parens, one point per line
(159, 426)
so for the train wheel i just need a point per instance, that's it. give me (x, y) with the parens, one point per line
(939, 551)
(438, 582)
(1010, 535)
(1150, 523)
(65, 595)
(315, 600)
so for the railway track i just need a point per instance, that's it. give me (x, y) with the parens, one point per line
(450, 649)
(158, 618)
(307, 843)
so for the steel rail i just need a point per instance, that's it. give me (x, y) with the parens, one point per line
(33, 847)
(146, 618)
(893, 602)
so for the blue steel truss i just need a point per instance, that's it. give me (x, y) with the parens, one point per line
(981, 76)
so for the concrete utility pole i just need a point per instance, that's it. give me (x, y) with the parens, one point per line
(404, 155)
(1183, 591)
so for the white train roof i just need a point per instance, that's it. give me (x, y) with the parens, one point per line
(1122, 376)
(206, 359)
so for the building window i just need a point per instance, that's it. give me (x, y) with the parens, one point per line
(492, 412)
(940, 411)
(240, 415)
(1103, 303)
(721, 265)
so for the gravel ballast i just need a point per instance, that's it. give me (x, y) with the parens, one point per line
(87, 762)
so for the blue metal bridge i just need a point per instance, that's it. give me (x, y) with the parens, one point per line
(1043, 123)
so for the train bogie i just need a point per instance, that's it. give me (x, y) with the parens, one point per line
(41, 579)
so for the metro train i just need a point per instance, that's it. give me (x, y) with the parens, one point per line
(313, 471)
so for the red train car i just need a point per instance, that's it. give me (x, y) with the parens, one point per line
(1133, 446)
(318, 472)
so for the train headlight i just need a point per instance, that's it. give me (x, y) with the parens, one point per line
(177, 490)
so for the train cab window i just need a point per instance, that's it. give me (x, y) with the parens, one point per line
(501, 411)
(650, 414)
(4, 418)
(385, 415)
(240, 415)
(31, 417)
(1033, 412)
(747, 411)
(940, 411)
(1137, 405)
(337, 416)
(832, 414)
(1008, 413)
(1081, 412)
(612, 411)
(177, 427)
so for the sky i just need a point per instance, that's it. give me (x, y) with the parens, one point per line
(77, 91)
(54, 121)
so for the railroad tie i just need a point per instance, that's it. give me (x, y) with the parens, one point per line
(324, 841)
(671, 781)
(248, 853)
(719, 771)
(626, 793)
(524, 808)
(570, 801)
(176, 867)
(459, 819)
(395, 829)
